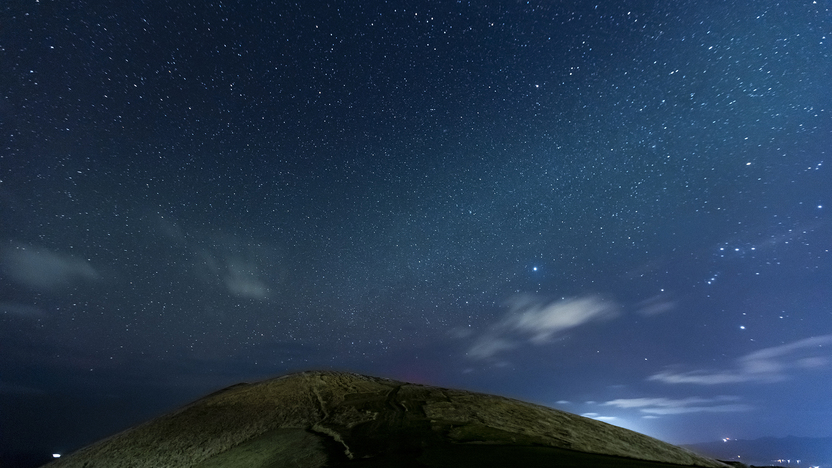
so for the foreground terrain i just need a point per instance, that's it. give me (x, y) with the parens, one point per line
(316, 419)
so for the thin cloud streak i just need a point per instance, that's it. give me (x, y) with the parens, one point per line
(598, 417)
(766, 365)
(666, 406)
(655, 305)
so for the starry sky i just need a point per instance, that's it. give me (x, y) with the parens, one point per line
(621, 209)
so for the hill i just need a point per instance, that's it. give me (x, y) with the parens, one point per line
(315, 419)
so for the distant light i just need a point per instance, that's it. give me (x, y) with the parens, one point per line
(534, 268)
(56, 455)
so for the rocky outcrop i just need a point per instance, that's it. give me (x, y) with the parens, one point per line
(315, 419)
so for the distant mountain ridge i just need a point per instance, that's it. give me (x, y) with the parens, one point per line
(318, 419)
(811, 451)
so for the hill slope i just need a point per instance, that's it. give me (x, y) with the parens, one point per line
(315, 419)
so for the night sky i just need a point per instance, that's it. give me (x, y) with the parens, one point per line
(621, 209)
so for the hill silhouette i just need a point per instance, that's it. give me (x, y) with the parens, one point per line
(316, 419)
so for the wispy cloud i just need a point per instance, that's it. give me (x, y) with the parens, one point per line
(532, 319)
(239, 274)
(766, 365)
(664, 406)
(43, 269)
(17, 389)
(15, 309)
(242, 279)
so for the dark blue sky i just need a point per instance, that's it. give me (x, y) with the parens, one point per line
(620, 209)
